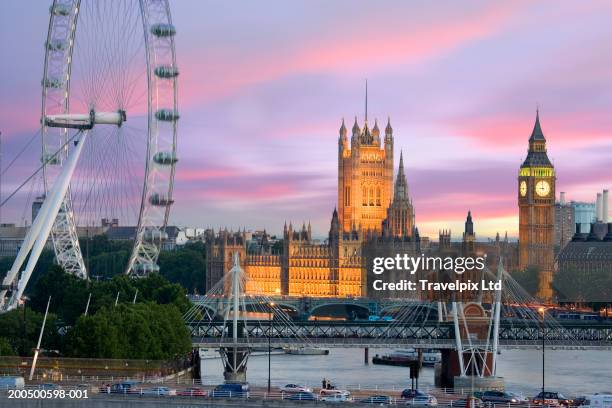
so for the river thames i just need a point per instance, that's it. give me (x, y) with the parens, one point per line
(570, 372)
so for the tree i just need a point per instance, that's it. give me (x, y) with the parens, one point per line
(22, 335)
(142, 331)
(6, 349)
(186, 266)
(529, 279)
(69, 294)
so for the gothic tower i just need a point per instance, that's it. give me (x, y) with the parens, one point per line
(469, 238)
(536, 200)
(365, 176)
(400, 215)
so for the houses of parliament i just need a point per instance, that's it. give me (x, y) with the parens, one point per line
(373, 210)
(375, 217)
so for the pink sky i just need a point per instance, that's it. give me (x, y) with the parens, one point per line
(264, 87)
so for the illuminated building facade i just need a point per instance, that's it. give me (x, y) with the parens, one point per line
(369, 209)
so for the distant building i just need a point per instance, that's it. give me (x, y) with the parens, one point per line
(584, 214)
(107, 223)
(589, 253)
(36, 206)
(175, 236)
(564, 222)
(11, 238)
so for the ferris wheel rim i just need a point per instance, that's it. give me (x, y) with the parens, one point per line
(151, 13)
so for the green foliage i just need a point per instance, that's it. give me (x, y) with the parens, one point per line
(186, 266)
(6, 349)
(69, 294)
(529, 279)
(22, 336)
(105, 258)
(277, 247)
(152, 328)
(141, 331)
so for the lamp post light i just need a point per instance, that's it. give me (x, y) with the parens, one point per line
(270, 328)
(542, 311)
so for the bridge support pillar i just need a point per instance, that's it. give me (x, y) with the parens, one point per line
(235, 363)
(448, 371)
(366, 355)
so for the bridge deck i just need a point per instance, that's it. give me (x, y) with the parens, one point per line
(394, 334)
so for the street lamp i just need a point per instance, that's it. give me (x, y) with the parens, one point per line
(542, 311)
(270, 327)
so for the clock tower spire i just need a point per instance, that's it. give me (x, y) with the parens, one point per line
(536, 200)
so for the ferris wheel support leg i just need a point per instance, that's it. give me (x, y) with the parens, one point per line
(51, 207)
(24, 250)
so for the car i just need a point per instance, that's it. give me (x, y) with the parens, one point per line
(230, 390)
(123, 387)
(301, 396)
(501, 397)
(581, 400)
(49, 386)
(420, 399)
(156, 391)
(377, 399)
(333, 391)
(290, 388)
(411, 393)
(334, 397)
(552, 398)
(192, 392)
(14, 382)
(598, 401)
(468, 402)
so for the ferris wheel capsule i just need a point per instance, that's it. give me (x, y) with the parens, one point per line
(165, 71)
(163, 30)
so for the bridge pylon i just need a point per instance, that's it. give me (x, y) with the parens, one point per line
(235, 357)
(473, 362)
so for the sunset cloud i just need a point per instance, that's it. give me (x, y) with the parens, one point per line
(263, 90)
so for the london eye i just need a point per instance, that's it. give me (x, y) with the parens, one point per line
(108, 133)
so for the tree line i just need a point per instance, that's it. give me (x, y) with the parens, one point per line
(126, 318)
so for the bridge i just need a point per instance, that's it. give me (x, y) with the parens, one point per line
(469, 332)
(305, 307)
(440, 335)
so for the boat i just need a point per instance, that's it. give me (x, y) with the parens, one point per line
(208, 353)
(406, 357)
(307, 351)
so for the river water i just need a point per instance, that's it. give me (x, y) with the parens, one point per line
(571, 372)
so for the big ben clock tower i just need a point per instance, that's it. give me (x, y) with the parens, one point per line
(536, 198)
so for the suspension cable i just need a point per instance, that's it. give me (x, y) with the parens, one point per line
(40, 168)
(8, 167)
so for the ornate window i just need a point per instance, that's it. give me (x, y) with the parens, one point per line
(378, 196)
(371, 196)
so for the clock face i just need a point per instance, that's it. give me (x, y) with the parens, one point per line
(542, 188)
(523, 188)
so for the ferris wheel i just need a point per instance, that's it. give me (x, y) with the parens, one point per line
(108, 133)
